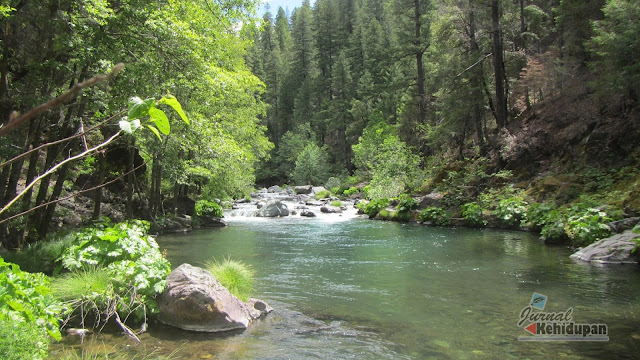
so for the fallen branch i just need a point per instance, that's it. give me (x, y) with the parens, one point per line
(58, 101)
(53, 169)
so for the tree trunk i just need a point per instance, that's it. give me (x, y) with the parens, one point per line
(419, 65)
(476, 86)
(97, 196)
(498, 66)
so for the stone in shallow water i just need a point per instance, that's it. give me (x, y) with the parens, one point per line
(273, 208)
(613, 250)
(194, 300)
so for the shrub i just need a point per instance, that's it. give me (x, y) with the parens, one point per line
(406, 204)
(435, 215)
(22, 340)
(132, 259)
(588, 227)
(324, 194)
(374, 206)
(472, 213)
(25, 301)
(511, 210)
(336, 203)
(351, 191)
(208, 208)
(332, 182)
(540, 215)
(236, 276)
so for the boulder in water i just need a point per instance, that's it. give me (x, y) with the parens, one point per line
(194, 300)
(307, 213)
(330, 210)
(273, 208)
(613, 250)
(304, 189)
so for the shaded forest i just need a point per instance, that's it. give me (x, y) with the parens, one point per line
(382, 88)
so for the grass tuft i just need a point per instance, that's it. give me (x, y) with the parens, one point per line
(80, 284)
(236, 276)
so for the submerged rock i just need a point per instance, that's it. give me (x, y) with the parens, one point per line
(613, 250)
(273, 208)
(307, 213)
(194, 300)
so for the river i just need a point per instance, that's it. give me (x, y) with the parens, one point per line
(346, 287)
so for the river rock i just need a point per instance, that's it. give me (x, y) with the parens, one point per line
(211, 222)
(273, 208)
(330, 210)
(304, 189)
(613, 250)
(274, 189)
(433, 199)
(177, 224)
(307, 213)
(317, 189)
(624, 224)
(194, 300)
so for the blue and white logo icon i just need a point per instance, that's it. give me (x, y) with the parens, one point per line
(538, 301)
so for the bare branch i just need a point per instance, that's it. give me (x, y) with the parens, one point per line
(58, 101)
(77, 193)
(61, 140)
(476, 63)
(53, 169)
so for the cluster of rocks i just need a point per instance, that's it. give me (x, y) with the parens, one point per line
(272, 202)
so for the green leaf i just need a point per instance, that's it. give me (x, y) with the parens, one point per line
(161, 120)
(173, 102)
(155, 131)
(139, 108)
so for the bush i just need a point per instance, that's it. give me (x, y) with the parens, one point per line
(374, 206)
(336, 203)
(236, 276)
(511, 210)
(324, 194)
(22, 340)
(435, 215)
(208, 208)
(351, 191)
(332, 182)
(25, 301)
(588, 227)
(540, 215)
(406, 204)
(472, 213)
(132, 259)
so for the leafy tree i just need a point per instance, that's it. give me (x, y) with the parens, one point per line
(312, 165)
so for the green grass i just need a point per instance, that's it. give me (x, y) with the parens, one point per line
(336, 203)
(79, 284)
(41, 256)
(97, 352)
(322, 194)
(236, 276)
(21, 340)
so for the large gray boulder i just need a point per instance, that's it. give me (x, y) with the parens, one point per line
(273, 208)
(327, 209)
(433, 199)
(304, 189)
(613, 250)
(194, 300)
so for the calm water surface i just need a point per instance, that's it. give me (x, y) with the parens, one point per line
(355, 288)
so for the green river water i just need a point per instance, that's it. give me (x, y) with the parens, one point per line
(359, 289)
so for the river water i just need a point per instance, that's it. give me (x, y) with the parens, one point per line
(345, 287)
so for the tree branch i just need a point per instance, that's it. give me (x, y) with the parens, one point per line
(53, 169)
(58, 101)
(77, 193)
(476, 63)
(61, 140)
